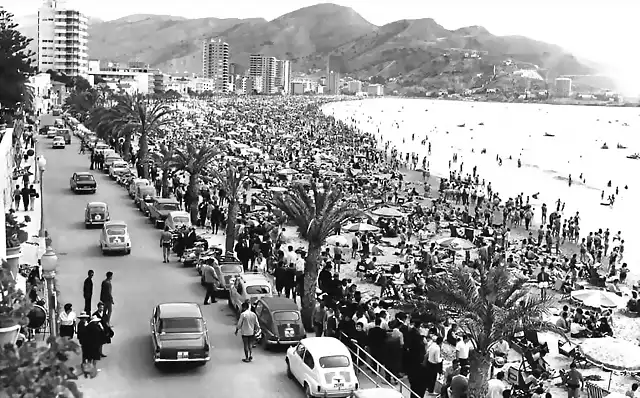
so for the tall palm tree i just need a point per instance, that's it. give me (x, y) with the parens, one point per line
(315, 212)
(165, 159)
(492, 306)
(231, 180)
(145, 117)
(194, 160)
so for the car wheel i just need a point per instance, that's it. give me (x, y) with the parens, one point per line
(93, 191)
(289, 373)
(307, 390)
(128, 251)
(102, 250)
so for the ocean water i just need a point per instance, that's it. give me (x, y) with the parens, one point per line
(518, 131)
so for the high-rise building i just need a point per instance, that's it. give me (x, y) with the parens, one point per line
(333, 83)
(355, 86)
(265, 68)
(563, 87)
(62, 39)
(215, 63)
(283, 76)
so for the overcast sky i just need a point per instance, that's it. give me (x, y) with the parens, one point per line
(602, 31)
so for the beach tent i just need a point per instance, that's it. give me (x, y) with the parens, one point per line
(387, 212)
(361, 227)
(597, 298)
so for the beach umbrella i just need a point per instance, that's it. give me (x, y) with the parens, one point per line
(387, 212)
(277, 189)
(597, 298)
(612, 353)
(285, 172)
(339, 239)
(455, 243)
(360, 227)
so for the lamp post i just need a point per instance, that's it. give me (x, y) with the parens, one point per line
(42, 165)
(49, 262)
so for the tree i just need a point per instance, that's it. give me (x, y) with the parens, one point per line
(231, 179)
(15, 63)
(315, 212)
(194, 161)
(492, 306)
(165, 159)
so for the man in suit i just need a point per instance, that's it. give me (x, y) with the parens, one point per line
(106, 297)
(87, 291)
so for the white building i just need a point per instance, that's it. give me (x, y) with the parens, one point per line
(375, 90)
(563, 87)
(302, 86)
(201, 84)
(333, 84)
(264, 68)
(62, 39)
(283, 76)
(215, 64)
(134, 77)
(355, 86)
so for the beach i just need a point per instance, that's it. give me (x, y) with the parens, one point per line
(572, 146)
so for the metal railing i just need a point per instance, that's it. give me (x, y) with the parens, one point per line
(364, 361)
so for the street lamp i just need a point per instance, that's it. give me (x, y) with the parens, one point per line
(49, 263)
(42, 165)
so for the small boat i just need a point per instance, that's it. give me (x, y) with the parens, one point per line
(604, 147)
(619, 146)
(635, 156)
(461, 125)
(549, 135)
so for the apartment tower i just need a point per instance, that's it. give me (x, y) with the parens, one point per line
(215, 64)
(62, 39)
(283, 76)
(264, 68)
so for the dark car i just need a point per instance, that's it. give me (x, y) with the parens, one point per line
(83, 182)
(179, 334)
(96, 213)
(159, 209)
(280, 321)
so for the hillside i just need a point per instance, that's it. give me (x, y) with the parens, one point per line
(410, 51)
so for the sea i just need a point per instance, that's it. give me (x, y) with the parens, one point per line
(552, 143)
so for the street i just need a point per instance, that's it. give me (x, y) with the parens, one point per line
(140, 282)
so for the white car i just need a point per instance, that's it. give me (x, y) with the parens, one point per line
(115, 237)
(177, 219)
(323, 367)
(58, 142)
(118, 167)
(248, 287)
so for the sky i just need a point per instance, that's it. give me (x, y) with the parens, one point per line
(605, 32)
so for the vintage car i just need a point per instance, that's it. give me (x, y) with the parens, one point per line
(159, 209)
(65, 133)
(83, 182)
(109, 160)
(144, 195)
(227, 274)
(249, 287)
(177, 219)
(58, 142)
(323, 367)
(52, 132)
(179, 334)
(115, 237)
(117, 168)
(96, 213)
(133, 187)
(280, 321)
(100, 147)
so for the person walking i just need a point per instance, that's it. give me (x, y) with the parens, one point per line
(210, 279)
(165, 243)
(87, 291)
(25, 192)
(249, 327)
(433, 364)
(574, 380)
(33, 194)
(67, 321)
(106, 297)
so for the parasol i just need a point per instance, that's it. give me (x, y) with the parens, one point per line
(387, 212)
(285, 172)
(277, 189)
(361, 227)
(455, 243)
(339, 239)
(612, 353)
(597, 298)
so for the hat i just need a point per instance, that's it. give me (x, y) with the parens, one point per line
(83, 315)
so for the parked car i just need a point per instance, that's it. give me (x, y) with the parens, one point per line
(179, 334)
(96, 213)
(83, 182)
(52, 132)
(133, 187)
(100, 147)
(227, 274)
(117, 168)
(109, 159)
(160, 208)
(177, 219)
(66, 134)
(58, 142)
(115, 237)
(144, 195)
(248, 287)
(323, 367)
(280, 321)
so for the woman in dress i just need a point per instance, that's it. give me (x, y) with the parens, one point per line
(67, 321)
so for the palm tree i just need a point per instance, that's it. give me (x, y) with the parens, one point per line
(28, 98)
(315, 212)
(231, 180)
(194, 161)
(144, 116)
(165, 158)
(491, 307)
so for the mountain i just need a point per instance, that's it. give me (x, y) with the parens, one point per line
(408, 51)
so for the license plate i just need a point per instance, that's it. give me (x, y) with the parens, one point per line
(288, 332)
(183, 355)
(338, 385)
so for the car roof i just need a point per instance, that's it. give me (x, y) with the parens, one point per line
(84, 173)
(166, 200)
(254, 279)
(178, 213)
(115, 223)
(327, 345)
(96, 204)
(179, 310)
(280, 303)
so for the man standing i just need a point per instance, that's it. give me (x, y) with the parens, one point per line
(543, 283)
(575, 382)
(106, 297)
(462, 350)
(210, 280)
(433, 364)
(165, 243)
(247, 325)
(87, 291)
(496, 386)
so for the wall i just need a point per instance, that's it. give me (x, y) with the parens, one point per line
(6, 182)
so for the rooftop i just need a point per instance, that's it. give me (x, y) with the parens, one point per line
(179, 310)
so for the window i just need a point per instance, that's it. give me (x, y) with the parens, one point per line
(231, 269)
(334, 361)
(308, 360)
(116, 231)
(265, 317)
(286, 316)
(258, 290)
(181, 325)
(81, 177)
(300, 350)
(165, 206)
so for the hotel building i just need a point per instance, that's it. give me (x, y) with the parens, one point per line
(215, 64)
